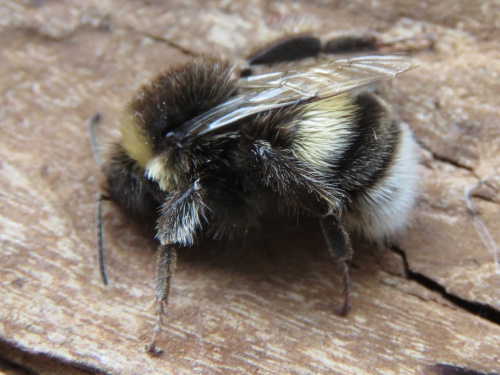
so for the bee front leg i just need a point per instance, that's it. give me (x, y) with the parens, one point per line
(165, 266)
(182, 215)
(339, 246)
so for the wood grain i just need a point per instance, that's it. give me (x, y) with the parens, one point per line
(262, 304)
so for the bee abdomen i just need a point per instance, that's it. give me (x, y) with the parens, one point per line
(350, 138)
(383, 210)
(324, 131)
(382, 169)
(355, 142)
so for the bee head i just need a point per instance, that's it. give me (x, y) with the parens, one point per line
(150, 124)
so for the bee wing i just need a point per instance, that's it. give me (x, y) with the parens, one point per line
(332, 77)
(297, 86)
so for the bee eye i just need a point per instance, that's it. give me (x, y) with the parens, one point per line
(173, 139)
(174, 136)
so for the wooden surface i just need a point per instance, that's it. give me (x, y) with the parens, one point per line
(262, 304)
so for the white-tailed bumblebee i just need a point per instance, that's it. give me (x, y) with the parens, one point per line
(205, 145)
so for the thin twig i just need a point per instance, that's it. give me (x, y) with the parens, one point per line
(481, 228)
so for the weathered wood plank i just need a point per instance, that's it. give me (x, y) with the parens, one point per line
(263, 305)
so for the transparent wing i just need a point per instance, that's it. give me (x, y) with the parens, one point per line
(310, 83)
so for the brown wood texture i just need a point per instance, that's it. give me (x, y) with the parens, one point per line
(262, 304)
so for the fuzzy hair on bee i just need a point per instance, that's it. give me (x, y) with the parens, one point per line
(203, 149)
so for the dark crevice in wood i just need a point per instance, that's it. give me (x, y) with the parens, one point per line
(32, 363)
(481, 310)
(446, 160)
(456, 164)
(483, 198)
(446, 369)
(8, 367)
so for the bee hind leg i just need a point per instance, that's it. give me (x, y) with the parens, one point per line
(372, 44)
(339, 246)
(301, 46)
(350, 44)
(288, 48)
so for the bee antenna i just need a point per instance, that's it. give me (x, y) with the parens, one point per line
(100, 246)
(91, 125)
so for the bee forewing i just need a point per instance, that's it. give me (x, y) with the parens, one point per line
(308, 83)
(332, 77)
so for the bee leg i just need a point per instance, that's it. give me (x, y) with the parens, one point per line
(180, 218)
(100, 239)
(369, 43)
(350, 44)
(288, 48)
(165, 267)
(279, 170)
(339, 246)
(346, 282)
(182, 214)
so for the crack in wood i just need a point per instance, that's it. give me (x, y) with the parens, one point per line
(446, 369)
(450, 161)
(481, 310)
(31, 362)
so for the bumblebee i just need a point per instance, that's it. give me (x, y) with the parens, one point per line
(204, 147)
